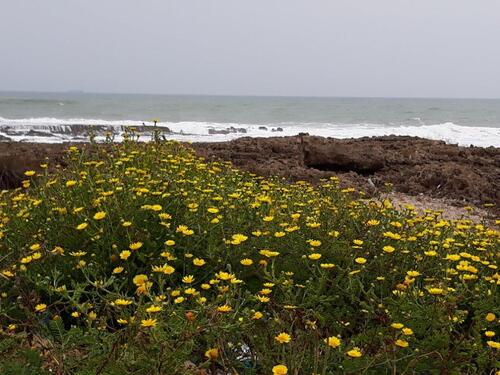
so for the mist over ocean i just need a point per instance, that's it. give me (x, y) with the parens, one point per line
(46, 117)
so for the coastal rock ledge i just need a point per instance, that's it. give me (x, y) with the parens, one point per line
(412, 165)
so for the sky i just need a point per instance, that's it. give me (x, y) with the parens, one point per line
(380, 48)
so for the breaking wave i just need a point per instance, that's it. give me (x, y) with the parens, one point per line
(45, 129)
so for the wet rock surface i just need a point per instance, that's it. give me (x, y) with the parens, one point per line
(17, 157)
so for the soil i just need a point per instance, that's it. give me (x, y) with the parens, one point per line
(415, 167)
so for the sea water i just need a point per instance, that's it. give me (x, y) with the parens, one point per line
(49, 117)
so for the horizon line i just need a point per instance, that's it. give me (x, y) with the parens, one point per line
(83, 92)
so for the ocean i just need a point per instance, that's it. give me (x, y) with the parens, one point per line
(60, 117)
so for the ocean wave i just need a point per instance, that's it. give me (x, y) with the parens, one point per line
(46, 129)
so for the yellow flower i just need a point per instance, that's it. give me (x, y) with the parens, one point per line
(268, 253)
(283, 338)
(397, 325)
(188, 279)
(314, 256)
(122, 302)
(401, 343)
(41, 307)
(100, 215)
(165, 269)
(224, 309)
(388, 249)
(135, 246)
(126, 224)
(82, 226)
(29, 173)
(489, 334)
(360, 260)
(327, 265)
(212, 354)
(333, 341)
(314, 243)
(140, 280)
(125, 254)
(407, 331)
(75, 314)
(490, 317)
(224, 276)
(26, 260)
(153, 309)
(198, 262)
(148, 323)
(493, 344)
(257, 315)
(354, 352)
(70, 183)
(246, 262)
(170, 242)
(179, 300)
(280, 370)
(7, 273)
(238, 238)
(358, 242)
(435, 291)
(117, 270)
(122, 321)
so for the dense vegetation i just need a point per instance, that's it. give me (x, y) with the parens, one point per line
(144, 259)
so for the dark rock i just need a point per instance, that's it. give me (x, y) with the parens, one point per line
(343, 158)
(215, 131)
(229, 130)
(34, 133)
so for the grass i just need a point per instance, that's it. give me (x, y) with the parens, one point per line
(141, 258)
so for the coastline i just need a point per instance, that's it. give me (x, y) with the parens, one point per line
(426, 173)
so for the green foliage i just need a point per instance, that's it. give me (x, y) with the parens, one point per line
(139, 258)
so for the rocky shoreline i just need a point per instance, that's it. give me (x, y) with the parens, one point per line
(414, 166)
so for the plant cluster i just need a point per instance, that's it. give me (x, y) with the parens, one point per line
(143, 258)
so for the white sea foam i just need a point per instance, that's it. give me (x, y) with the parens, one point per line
(59, 130)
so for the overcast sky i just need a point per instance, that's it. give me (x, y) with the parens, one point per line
(425, 48)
